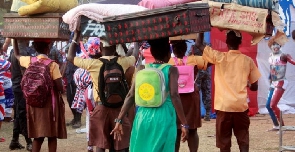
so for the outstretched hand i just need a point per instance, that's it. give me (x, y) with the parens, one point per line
(117, 132)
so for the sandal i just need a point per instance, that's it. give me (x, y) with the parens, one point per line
(2, 139)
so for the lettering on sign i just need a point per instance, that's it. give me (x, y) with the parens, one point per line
(92, 28)
(252, 20)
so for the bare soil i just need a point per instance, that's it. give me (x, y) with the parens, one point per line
(260, 139)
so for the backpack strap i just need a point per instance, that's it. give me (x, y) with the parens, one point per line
(113, 60)
(45, 61)
(184, 60)
(175, 60)
(53, 96)
(162, 66)
(34, 59)
(151, 66)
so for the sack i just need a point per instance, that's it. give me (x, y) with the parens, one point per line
(113, 86)
(150, 89)
(37, 83)
(186, 82)
(46, 6)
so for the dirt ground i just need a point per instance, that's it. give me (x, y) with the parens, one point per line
(260, 139)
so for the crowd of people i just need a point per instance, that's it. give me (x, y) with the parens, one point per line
(114, 119)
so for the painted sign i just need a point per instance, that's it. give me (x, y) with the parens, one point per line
(92, 28)
(234, 16)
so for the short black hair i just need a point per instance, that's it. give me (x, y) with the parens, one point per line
(110, 49)
(41, 47)
(179, 48)
(160, 48)
(232, 40)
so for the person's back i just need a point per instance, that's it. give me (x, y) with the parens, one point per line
(234, 72)
(99, 128)
(20, 119)
(190, 101)
(48, 121)
(152, 120)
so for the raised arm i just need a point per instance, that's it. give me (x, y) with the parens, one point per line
(200, 42)
(6, 44)
(73, 46)
(290, 59)
(287, 58)
(15, 48)
(136, 50)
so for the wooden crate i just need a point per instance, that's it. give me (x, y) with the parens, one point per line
(151, 24)
(49, 25)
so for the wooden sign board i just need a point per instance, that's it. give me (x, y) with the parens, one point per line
(92, 28)
(238, 17)
(192, 36)
(48, 25)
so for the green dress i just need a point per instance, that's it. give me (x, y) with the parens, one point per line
(154, 129)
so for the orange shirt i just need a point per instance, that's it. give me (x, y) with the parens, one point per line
(233, 70)
(193, 60)
(54, 68)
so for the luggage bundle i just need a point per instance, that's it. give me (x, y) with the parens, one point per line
(157, 23)
(47, 25)
(257, 18)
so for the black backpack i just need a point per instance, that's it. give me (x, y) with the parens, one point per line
(113, 86)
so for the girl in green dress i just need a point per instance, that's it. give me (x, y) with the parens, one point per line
(154, 129)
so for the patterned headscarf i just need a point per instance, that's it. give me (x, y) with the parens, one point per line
(93, 46)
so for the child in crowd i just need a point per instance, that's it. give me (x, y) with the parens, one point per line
(154, 129)
(190, 101)
(4, 66)
(41, 122)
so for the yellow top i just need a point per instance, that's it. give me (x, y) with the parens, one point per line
(93, 66)
(54, 68)
(193, 60)
(233, 70)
